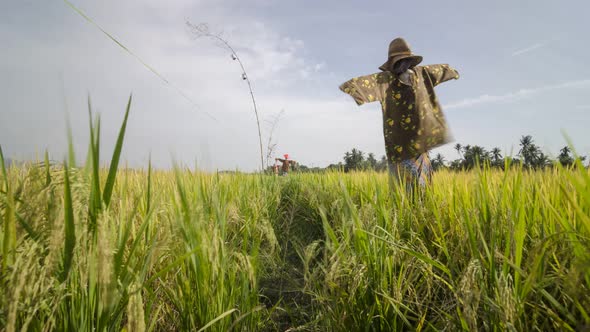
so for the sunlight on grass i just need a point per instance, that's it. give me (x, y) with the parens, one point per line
(106, 249)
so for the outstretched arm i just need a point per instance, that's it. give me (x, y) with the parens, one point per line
(364, 89)
(441, 73)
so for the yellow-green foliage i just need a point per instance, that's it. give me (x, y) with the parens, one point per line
(182, 250)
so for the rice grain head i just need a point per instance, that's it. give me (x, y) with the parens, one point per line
(469, 293)
(135, 311)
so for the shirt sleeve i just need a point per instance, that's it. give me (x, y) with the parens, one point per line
(364, 89)
(441, 73)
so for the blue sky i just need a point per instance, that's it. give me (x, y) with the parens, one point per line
(523, 71)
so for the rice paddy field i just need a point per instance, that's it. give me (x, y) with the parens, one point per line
(188, 251)
(104, 249)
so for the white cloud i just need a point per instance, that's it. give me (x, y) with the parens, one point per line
(528, 49)
(319, 66)
(320, 123)
(162, 122)
(516, 95)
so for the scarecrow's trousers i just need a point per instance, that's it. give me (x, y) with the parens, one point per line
(413, 173)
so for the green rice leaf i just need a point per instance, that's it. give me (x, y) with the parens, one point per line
(71, 152)
(69, 229)
(110, 183)
(47, 169)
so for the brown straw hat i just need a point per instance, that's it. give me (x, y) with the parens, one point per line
(399, 49)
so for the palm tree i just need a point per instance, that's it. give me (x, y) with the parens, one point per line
(525, 142)
(496, 157)
(438, 162)
(566, 150)
(456, 164)
(382, 164)
(354, 159)
(542, 160)
(529, 151)
(458, 148)
(564, 157)
(472, 155)
(466, 149)
(347, 160)
(358, 157)
(371, 160)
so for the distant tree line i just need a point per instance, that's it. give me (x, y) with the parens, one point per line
(529, 156)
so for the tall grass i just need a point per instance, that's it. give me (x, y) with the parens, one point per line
(108, 249)
(487, 251)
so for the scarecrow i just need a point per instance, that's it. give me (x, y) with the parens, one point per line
(413, 122)
(286, 164)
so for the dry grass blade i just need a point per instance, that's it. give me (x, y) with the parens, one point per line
(150, 68)
(218, 318)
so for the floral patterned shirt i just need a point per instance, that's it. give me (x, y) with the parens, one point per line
(413, 122)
